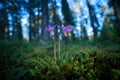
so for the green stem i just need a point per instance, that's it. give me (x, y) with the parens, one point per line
(59, 49)
(54, 49)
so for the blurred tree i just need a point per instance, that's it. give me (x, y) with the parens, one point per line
(108, 31)
(67, 13)
(84, 34)
(38, 19)
(30, 7)
(18, 31)
(4, 31)
(13, 9)
(93, 19)
(34, 9)
(13, 12)
(45, 19)
(56, 18)
(116, 6)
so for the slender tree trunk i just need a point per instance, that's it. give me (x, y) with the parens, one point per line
(38, 23)
(2, 30)
(30, 25)
(19, 29)
(116, 6)
(5, 24)
(84, 32)
(45, 34)
(93, 19)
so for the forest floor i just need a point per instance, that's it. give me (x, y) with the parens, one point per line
(80, 60)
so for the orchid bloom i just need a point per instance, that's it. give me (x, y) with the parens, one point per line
(50, 29)
(67, 29)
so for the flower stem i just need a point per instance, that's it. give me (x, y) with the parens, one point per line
(54, 49)
(59, 49)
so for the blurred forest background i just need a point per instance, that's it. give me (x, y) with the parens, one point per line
(26, 19)
(91, 50)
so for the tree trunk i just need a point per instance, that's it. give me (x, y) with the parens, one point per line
(4, 31)
(116, 6)
(93, 19)
(45, 34)
(30, 28)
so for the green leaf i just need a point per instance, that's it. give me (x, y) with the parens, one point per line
(17, 73)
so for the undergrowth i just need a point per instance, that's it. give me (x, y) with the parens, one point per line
(20, 60)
